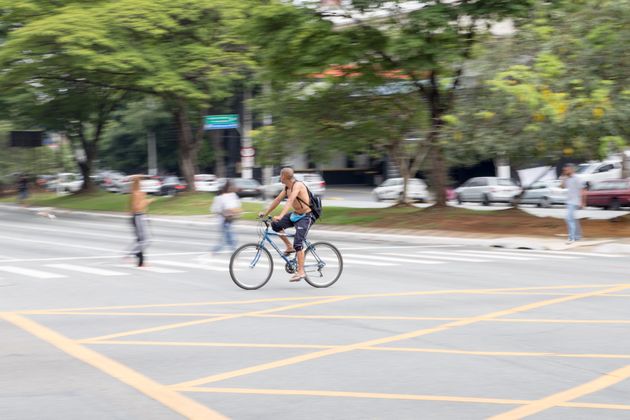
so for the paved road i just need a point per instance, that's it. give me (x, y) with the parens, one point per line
(410, 331)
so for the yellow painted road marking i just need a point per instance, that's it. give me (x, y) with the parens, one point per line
(208, 320)
(384, 340)
(367, 348)
(267, 311)
(559, 398)
(356, 296)
(379, 395)
(169, 398)
(209, 344)
(346, 394)
(357, 317)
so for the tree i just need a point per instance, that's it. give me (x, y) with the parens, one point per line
(187, 53)
(558, 89)
(323, 119)
(44, 79)
(428, 43)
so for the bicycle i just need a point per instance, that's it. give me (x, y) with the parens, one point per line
(251, 265)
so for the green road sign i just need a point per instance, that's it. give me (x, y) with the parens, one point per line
(220, 122)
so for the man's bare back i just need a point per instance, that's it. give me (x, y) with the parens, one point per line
(302, 197)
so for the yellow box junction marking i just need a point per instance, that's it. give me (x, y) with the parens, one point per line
(168, 397)
(425, 331)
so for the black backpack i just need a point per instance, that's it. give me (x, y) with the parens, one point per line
(315, 202)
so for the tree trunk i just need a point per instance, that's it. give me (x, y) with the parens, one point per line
(439, 173)
(404, 172)
(186, 146)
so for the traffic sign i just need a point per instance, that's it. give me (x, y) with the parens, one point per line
(248, 152)
(220, 122)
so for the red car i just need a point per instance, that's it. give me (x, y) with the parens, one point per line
(612, 194)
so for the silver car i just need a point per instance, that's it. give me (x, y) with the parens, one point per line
(545, 193)
(314, 182)
(392, 189)
(487, 190)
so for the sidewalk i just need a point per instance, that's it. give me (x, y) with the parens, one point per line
(409, 236)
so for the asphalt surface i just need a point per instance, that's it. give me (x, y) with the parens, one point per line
(427, 330)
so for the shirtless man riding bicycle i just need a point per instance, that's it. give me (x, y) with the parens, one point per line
(301, 217)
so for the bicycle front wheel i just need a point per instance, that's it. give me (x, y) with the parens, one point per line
(251, 266)
(323, 264)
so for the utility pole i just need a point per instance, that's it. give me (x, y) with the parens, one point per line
(247, 151)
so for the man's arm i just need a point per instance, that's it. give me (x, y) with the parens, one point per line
(274, 204)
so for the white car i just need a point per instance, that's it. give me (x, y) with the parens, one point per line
(545, 193)
(148, 184)
(314, 182)
(487, 190)
(206, 183)
(392, 189)
(68, 182)
(593, 172)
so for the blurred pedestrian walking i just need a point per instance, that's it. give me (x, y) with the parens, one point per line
(22, 187)
(139, 204)
(227, 206)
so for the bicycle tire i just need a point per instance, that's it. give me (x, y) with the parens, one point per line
(310, 251)
(254, 249)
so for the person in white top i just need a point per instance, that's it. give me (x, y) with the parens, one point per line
(227, 206)
(576, 199)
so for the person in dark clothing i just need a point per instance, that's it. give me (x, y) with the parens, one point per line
(22, 187)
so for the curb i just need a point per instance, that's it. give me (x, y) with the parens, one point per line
(407, 236)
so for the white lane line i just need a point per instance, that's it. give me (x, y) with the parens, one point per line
(439, 257)
(491, 254)
(30, 273)
(151, 269)
(392, 259)
(87, 270)
(542, 254)
(190, 265)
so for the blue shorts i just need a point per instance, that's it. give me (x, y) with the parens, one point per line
(302, 227)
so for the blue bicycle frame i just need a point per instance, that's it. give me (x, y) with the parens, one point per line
(291, 262)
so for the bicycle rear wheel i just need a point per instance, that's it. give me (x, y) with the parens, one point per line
(251, 266)
(323, 264)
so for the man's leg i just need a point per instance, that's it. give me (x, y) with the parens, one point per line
(301, 230)
(279, 228)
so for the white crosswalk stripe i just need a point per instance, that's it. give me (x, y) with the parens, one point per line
(159, 270)
(30, 272)
(393, 259)
(439, 257)
(486, 254)
(87, 270)
(357, 261)
(191, 265)
(528, 254)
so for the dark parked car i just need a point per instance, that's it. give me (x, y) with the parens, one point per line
(245, 187)
(612, 194)
(171, 185)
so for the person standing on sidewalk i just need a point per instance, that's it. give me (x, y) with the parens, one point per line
(22, 187)
(576, 199)
(139, 204)
(227, 206)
